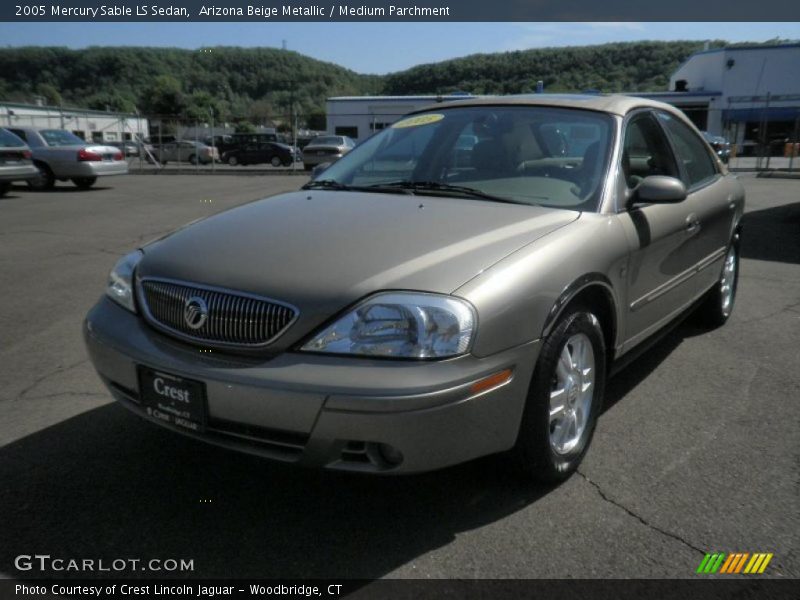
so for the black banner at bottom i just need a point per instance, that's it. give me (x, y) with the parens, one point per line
(402, 589)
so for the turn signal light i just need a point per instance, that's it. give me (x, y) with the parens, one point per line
(491, 382)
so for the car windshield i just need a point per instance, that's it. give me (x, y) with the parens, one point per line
(326, 141)
(59, 137)
(9, 140)
(523, 154)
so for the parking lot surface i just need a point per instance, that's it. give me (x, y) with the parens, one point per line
(698, 449)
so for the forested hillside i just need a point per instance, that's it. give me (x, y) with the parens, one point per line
(257, 84)
(239, 83)
(621, 67)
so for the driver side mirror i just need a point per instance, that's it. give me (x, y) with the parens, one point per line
(658, 189)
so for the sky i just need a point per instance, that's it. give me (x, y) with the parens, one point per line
(381, 47)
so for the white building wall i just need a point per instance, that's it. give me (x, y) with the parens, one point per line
(99, 125)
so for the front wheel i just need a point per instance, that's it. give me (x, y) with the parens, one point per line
(84, 183)
(4, 187)
(564, 398)
(716, 309)
(233, 161)
(276, 161)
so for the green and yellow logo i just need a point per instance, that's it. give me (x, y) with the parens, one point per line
(735, 563)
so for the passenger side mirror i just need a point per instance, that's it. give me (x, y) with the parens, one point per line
(658, 189)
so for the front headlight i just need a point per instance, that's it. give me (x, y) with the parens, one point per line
(402, 325)
(120, 280)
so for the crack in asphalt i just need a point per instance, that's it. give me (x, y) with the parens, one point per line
(24, 393)
(639, 518)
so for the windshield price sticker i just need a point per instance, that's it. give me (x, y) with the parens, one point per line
(417, 121)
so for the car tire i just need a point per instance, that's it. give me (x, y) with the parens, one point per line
(84, 183)
(4, 187)
(233, 161)
(308, 167)
(275, 161)
(564, 398)
(192, 159)
(45, 181)
(717, 306)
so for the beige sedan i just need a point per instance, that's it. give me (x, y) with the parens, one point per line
(326, 149)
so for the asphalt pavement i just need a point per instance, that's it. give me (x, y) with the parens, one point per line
(698, 448)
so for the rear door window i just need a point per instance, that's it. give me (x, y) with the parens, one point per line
(698, 165)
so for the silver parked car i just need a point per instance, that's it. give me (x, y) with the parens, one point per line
(62, 155)
(186, 151)
(410, 310)
(326, 149)
(15, 161)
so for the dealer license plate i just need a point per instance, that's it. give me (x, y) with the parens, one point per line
(173, 399)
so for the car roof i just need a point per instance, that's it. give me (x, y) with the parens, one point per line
(617, 104)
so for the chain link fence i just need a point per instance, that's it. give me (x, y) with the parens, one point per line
(754, 134)
(750, 134)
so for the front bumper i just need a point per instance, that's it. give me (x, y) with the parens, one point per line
(323, 411)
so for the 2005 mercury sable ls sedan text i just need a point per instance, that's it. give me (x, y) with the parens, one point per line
(460, 284)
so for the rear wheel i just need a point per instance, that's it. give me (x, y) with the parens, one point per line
(193, 159)
(308, 167)
(45, 181)
(4, 187)
(718, 305)
(84, 182)
(276, 161)
(564, 398)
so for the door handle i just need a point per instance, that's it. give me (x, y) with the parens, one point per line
(692, 223)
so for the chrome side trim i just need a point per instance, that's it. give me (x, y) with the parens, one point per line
(678, 279)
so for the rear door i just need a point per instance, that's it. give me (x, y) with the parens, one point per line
(709, 199)
(660, 270)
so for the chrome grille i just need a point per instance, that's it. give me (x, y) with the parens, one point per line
(234, 319)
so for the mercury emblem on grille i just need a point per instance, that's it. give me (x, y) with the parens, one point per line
(195, 312)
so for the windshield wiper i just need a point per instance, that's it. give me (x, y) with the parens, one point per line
(331, 184)
(438, 186)
(326, 184)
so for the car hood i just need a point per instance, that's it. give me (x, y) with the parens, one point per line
(321, 251)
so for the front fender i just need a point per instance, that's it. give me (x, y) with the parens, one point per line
(520, 298)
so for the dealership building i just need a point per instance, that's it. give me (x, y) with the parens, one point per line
(749, 94)
(91, 125)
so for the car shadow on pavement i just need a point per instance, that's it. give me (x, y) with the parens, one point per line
(772, 234)
(640, 368)
(106, 484)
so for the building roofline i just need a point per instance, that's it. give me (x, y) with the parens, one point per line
(74, 109)
(739, 48)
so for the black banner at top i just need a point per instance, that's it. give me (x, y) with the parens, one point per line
(398, 10)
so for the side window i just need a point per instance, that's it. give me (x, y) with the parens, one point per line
(692, 151)
(19, 133)
(645, 151)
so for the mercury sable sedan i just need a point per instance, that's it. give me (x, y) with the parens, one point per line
(425, 302)
(62, 155)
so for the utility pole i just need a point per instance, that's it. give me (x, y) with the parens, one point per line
(213, 162)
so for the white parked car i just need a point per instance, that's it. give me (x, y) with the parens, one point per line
(59, 154)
